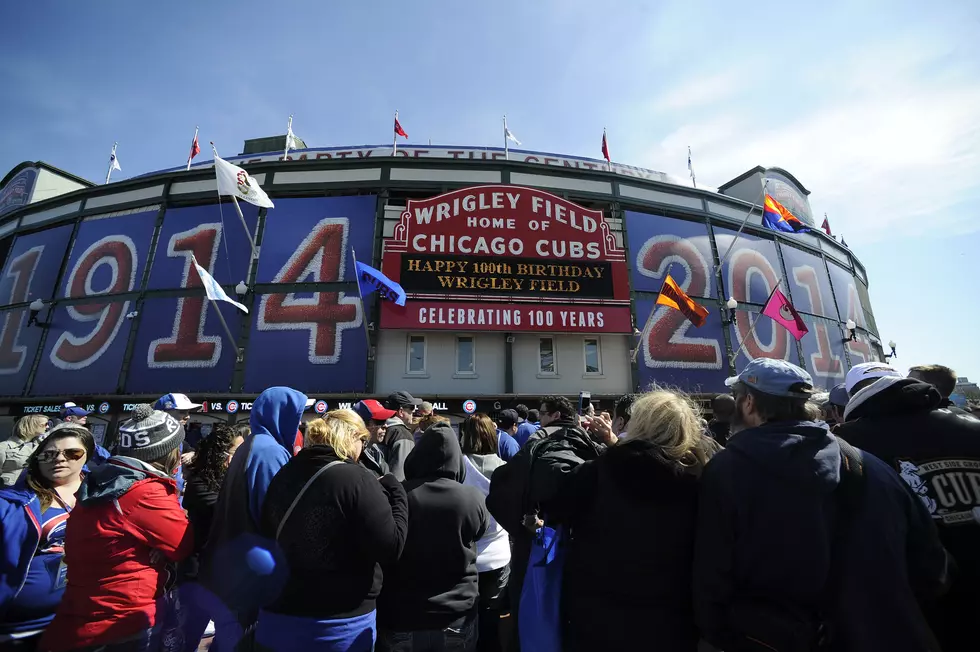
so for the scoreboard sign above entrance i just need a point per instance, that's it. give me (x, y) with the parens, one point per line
(506, 258)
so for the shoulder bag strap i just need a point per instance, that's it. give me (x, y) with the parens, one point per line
(302, 491)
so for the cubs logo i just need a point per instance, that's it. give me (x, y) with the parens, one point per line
(244, 183)
(103, 408)
(231, 407)
(469, 406)
(320, 407)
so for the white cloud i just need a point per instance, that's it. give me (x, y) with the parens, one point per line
(881, 134)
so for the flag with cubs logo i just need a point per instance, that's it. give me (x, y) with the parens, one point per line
(234, 181)
(782, 311)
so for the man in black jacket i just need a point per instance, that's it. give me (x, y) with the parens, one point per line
(399, 440)
(942, 378)
(937, 452)
(429, 597)
(781, 551)
(521, 493)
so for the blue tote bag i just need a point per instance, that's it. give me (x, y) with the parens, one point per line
(539, 618)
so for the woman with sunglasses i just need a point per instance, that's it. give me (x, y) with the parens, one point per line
(125, 534)
(34, 515)
(335, 523)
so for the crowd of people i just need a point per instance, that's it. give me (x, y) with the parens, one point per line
(792, 521)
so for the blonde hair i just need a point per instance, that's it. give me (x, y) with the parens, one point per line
(29, 427)
(338, 429)
(672, 422)
(429, 420)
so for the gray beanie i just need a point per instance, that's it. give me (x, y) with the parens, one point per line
(149, 434)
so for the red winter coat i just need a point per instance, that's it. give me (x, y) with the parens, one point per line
(126, 509)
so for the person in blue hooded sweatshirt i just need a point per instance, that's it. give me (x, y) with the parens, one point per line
(239, 565)
(804, 542)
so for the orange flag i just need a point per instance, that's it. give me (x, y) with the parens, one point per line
(672, 296)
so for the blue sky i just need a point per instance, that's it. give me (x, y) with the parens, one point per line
(873, 105)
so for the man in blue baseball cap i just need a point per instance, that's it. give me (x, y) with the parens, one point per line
(802, 538)
(71, 413)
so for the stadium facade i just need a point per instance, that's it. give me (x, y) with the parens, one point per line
(526, 276)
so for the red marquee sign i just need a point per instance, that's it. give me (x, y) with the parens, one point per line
(506, 258)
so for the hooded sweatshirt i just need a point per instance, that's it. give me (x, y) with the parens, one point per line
(274, 420)
(126, 511)
(766, 521)
(493, 549)
(936, 451)
(434, 583)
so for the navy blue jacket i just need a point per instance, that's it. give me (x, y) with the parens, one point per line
(766, 519)
(20, 538)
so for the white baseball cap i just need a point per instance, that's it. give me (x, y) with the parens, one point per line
(867, 370)
(175, 402)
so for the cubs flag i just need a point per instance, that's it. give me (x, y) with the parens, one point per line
(672, 296)
(214, 291)
(826, 225)
(782, 312)
(777, 217)
(370, 279)
(605, 147)
(234, 181)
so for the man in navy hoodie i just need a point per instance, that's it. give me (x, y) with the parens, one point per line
(237, 564)
(783, 555)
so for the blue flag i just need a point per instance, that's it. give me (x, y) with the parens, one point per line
(370, 279)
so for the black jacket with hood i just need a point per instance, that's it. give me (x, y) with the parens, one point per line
(766, 518)
(434, 583)
(627, 577)
(937, 452)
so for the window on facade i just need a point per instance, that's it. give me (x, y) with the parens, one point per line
(465, 355)
(546, 355)
(593, 358)
(416, 354)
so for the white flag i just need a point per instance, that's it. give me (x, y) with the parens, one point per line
(214, 291)
(114, 162)
(510, 136)
(236, 182)
(290, 139)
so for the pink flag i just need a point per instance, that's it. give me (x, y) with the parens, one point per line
(782, 311)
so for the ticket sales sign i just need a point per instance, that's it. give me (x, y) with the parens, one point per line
(506, 258)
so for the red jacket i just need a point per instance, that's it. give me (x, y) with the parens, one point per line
(126, 509)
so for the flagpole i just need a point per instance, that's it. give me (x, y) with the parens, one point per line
(506, 146)
(189, 156)
(755, 322)
(740, 228)
(649, 321)
(394, 141)
(221, 317)
(112, 157)
(238, 209)
(289, 130)
(367, 336)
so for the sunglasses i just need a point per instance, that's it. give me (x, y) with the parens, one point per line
(71, 454)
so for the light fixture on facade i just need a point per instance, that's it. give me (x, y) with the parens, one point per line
(35, 309)
(851, 330)
(241, 289)
(731, 304)
(891, 345)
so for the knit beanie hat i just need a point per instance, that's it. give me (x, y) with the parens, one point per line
(149, 434)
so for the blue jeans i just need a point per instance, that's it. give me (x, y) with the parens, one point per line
(461, 636)
(282, 633)
(198, 606)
